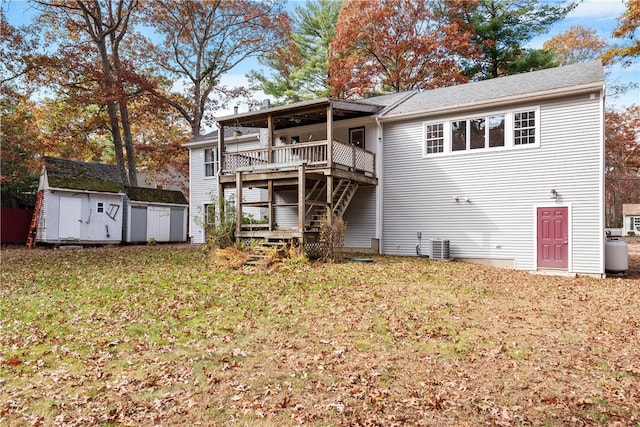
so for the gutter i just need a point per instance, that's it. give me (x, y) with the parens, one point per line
(496, 102)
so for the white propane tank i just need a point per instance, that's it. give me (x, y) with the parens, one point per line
(616, 256)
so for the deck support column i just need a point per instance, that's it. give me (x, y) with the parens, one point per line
(301, 197)
(329, 200)
(220, 201)
(270, 206)
(238, 204)
(270, 139)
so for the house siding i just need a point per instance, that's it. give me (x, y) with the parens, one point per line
(360, 219)
(204, 190)
(504, 188)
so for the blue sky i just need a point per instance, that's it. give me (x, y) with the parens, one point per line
(600, 15)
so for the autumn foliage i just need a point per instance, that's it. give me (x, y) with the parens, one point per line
(398, 45)
(622, 161)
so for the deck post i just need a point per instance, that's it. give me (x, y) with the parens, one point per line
(238, 203)
(329, 136)
(301, 197)
(329, 200)
(220, 200)
(270, 207)
(270, 139)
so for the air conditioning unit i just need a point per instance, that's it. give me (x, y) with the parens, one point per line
(440, 249)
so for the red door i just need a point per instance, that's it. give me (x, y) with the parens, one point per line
(553, 238)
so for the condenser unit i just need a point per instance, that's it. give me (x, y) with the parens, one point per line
(440, 249)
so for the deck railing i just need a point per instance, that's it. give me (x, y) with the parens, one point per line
(313, 153)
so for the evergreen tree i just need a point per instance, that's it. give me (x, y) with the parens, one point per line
(300, 66)
(501, 30)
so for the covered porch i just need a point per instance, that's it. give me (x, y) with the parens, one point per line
(304, 182)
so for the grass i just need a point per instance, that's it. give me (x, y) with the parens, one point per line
(160, 335)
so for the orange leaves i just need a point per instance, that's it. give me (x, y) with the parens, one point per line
(577, 44)
(397, 45)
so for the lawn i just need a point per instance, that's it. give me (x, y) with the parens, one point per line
(156, 335)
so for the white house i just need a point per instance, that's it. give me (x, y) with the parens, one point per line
(506, 171)
(631, 218)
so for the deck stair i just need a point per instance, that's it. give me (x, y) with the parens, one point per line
(343, 193)
(33, 228)
(263, 252)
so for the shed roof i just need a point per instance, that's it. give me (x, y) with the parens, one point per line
(630, 209)
(155, 195)
(517, 86)
(76, 175)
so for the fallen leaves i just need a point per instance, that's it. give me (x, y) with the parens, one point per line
(150, 335)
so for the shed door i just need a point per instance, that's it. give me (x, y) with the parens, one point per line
(138, 224)
(70, 218)
(177, 225)
(553, 237)
(158, 223)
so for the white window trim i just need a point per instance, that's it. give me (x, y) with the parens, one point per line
(214, 162)
(508, 133)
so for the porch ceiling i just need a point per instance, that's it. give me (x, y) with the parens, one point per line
(300, 114)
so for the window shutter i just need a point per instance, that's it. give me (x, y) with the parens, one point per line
(631, 223)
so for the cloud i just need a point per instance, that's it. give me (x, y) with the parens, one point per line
(597, 10)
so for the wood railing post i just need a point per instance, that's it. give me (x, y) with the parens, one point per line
(329, 136)
(301, 197)
(238, 203)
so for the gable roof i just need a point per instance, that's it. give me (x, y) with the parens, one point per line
(75, 175)
(518, 87)
(155, 195)
(99, 177)
(630, 209)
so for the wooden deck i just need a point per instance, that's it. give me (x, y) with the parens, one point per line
(345, 161)
(324, 174)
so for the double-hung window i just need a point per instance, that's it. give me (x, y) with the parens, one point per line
(502, 130)
(434, 138)
(211, 163)
(524, 128)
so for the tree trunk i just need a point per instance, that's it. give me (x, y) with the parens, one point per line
(124, 116)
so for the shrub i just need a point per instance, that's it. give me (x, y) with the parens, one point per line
(332, 239)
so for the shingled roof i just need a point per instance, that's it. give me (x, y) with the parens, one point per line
(154, 195)
(75, 175)
(501, 88)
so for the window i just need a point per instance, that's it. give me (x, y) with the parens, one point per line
(356, 136)
(477, 134)
(209, 215)
(506, 130)
(100, 207)
(459, 135)
(434, 138)
(496, 131)
(524, 128)
(210, 162)
(635, 223)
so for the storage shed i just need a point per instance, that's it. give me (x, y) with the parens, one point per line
(87, 203)
(155, 215)
(82, 203)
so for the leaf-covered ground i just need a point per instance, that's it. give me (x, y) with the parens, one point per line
(157, 336)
